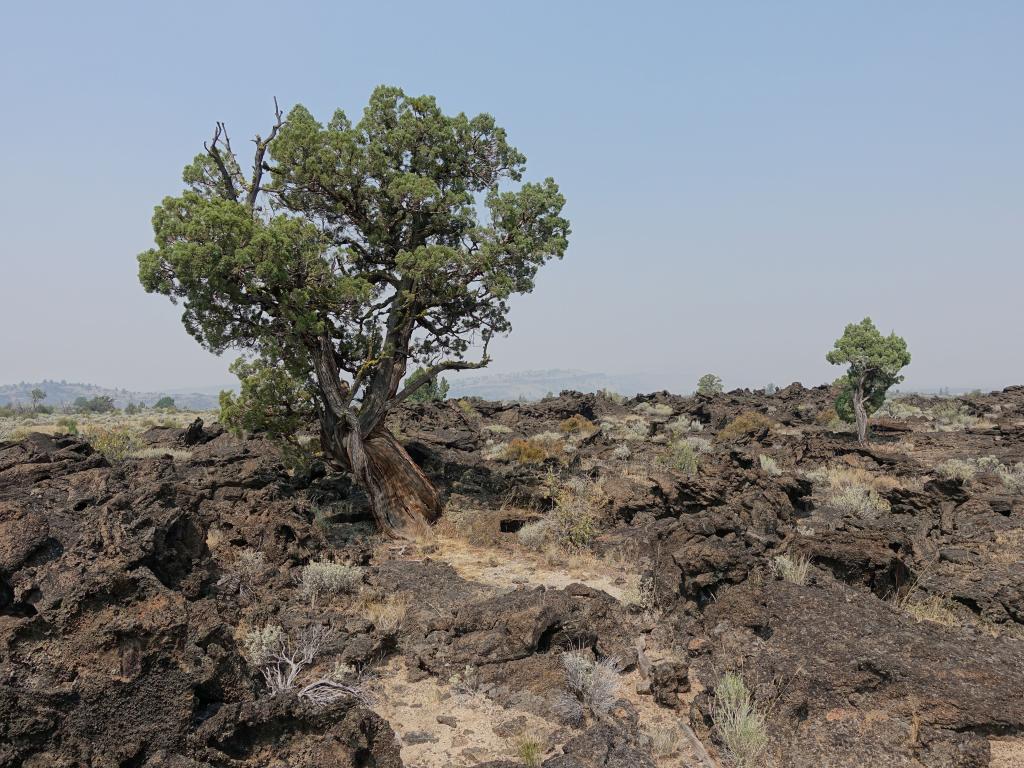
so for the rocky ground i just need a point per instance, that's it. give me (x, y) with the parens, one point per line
(605, 574)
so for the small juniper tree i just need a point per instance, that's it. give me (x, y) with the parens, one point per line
(38, 396)
(349, 251)
(165, 403)
(875, 363)
(709, 384)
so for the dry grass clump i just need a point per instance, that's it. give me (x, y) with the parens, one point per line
(655, 412)
(577, 424)
(746, 424)
(666, 739)
(497, 429)
(956, 469)
(533, 450)
(850, 490)
(593, 684)
(769, 465)
(177, 454)
(738, 722)
(321, 578)
(932, 608)
(387, 614)
(793, 570)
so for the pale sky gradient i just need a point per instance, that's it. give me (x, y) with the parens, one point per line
(743, 178)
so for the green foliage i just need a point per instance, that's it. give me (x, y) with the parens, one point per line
(270, 401)
(68, 425)
(114, 443)
(165, 403)
(875, 362)
(354, 248)
(434, 391)
(682, 456)
(38, 396)
(709, 384)
(97, 404)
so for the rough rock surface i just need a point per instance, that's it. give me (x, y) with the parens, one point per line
(126, 590)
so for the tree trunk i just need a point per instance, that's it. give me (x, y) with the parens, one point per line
(404, 502)
(861, 413)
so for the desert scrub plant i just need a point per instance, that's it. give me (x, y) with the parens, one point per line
(682, 457)
(577, 424)
(530, 752)
(246, 572)
(956, 469)
(746, 424)
(682, 425)
(853, 491)
(321, 578)
(261, 643)
(951, 416)
(898, 410)
(497, 429)
(594, 684)
(177, 454)
(793, 570)
(114, 443)
(279, 659)
(769, 465)
(739, 724)
(638, 592)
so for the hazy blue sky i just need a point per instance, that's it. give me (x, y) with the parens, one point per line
(743, 178)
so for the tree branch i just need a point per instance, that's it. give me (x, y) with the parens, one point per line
(431, 373)
(258, 166)
(213, 151)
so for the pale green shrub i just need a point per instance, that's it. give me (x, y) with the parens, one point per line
(739, 723)
(769, 465)
(326, 578)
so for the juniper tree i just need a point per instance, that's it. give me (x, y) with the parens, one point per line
(345, 253)
(709, 384)
(875, 362)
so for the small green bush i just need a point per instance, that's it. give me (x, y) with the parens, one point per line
(739, 723)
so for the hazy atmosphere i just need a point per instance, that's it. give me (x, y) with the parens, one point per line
(740, 185)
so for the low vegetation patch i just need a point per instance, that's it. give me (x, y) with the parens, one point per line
(320, 579)
(594, 684)
(792, 569)
(769, 465)
(849, 490)
(747, 424)
(739, 724)
(578, 424)
(682, 457)
(956, 469)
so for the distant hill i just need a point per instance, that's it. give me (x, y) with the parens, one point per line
(533, 385)
(60, 393)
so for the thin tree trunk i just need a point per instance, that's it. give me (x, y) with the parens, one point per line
(404, 502)
(861, 413)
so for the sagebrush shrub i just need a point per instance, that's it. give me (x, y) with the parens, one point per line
(326, 578)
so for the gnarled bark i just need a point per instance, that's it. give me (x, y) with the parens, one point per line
(401, 497)
(860, 412)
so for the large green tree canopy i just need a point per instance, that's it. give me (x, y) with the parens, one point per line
(349, 250)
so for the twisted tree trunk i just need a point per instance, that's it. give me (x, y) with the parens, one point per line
(401, 497)
(860, 412)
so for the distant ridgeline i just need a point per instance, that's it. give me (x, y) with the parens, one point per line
(60, 393)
